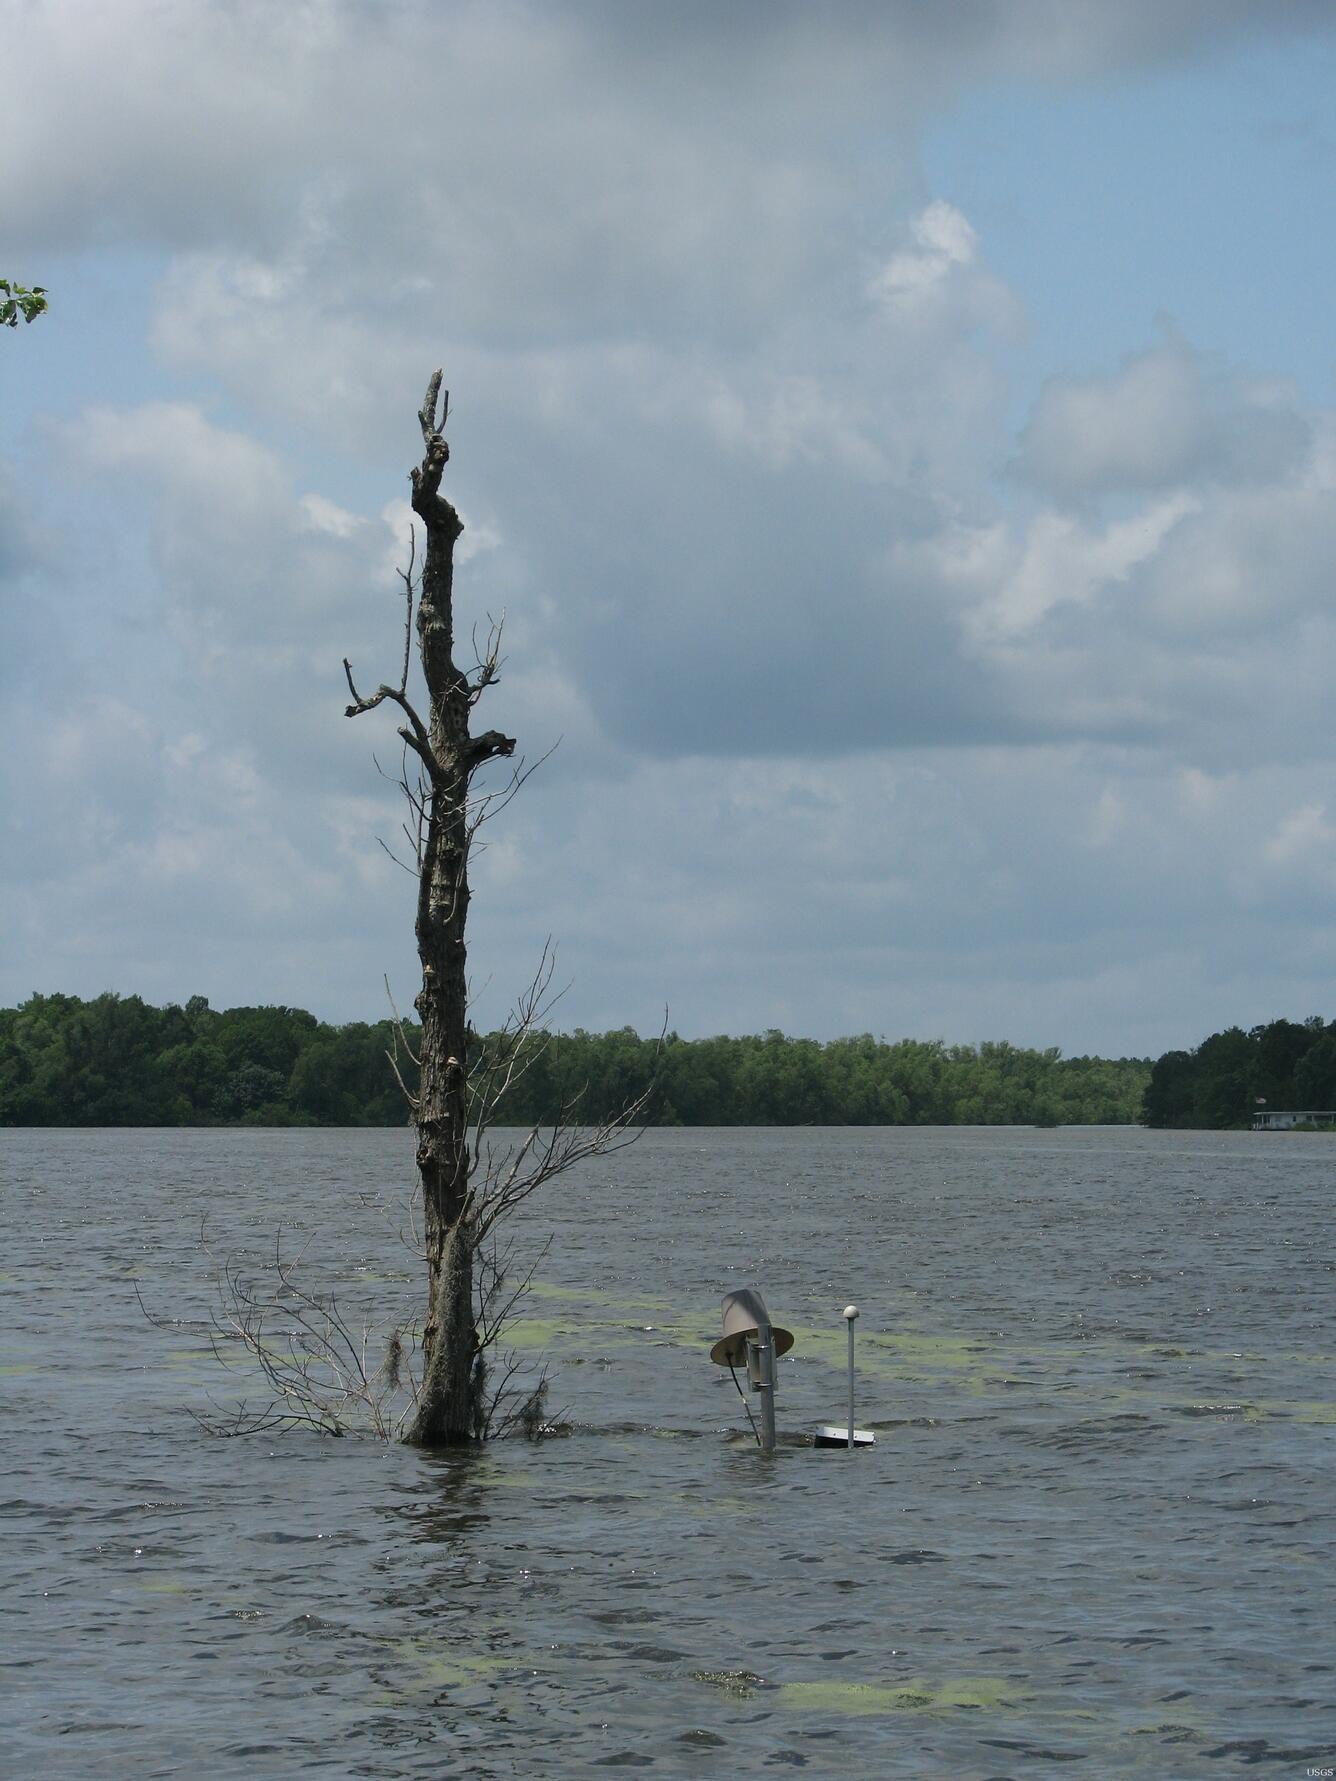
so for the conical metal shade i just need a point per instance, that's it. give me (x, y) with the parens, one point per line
(744, 1313)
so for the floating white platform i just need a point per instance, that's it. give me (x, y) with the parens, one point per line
(828, 1434)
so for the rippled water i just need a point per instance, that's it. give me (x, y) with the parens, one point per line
(1097, 1527)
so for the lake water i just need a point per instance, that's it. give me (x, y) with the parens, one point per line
(1097, 1527)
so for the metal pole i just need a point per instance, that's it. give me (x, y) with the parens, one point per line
(765, 1383)
(851, 1317)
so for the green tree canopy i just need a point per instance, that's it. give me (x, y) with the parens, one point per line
(117, 1061)
(1286, 1065)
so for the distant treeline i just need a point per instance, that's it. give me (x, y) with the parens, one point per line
(117, 1061)
(1231, 1075)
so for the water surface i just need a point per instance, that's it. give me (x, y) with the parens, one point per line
(1097, 1528)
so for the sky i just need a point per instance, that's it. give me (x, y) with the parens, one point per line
(901, 440)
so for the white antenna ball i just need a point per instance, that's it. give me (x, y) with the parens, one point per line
(851, 1311)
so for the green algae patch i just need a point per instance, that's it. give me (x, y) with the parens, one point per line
(609, 1314)
(195, 1365)
(637, 1316)
(539, 1332)
(692, 1331)
(588, 1295)
(882, 1355)
(432, 1670)
(422, 1670)
(1317, 1414)
(963, 1694)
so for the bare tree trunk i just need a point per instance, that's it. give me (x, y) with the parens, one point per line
(467, 1187)
(450, 1402)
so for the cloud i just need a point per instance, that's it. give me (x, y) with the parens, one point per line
(938, 280)
(968, 892)
(1055, 561)
(698, 528)
(1305, 837)
(942, 242)
(1170, 614)
(732, 405)
(321, 515)
(220, 474)
(1252, 560)
(523, 172)
(875, 714)
(1163, 420)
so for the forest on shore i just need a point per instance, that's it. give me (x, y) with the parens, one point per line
(115, 1060)
(1287, 1065)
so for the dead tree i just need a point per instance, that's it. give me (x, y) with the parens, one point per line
(467, 1187)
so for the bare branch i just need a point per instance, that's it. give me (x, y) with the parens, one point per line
(402, 865)
(406, 576)
(493, 1280)
(489, 804)
(486, 747)
(549, 1151)
(415, 735)
(399, 1022)
(486, 664)
(414, 1101)
(313, 1360)
(427, 412)
(512, 1051)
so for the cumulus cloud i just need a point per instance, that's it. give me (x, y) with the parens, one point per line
(1249, 560)
(1054, 561)
(937, 279)
(1169, 612)
(942, 242)
(1165, 418)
